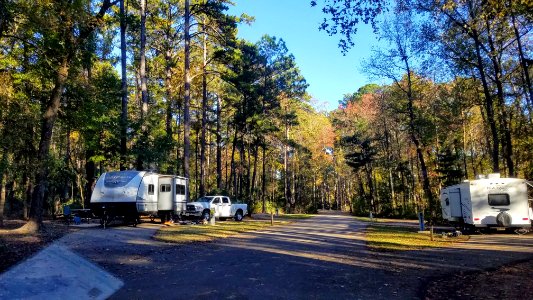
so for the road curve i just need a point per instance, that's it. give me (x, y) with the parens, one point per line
(324, 257)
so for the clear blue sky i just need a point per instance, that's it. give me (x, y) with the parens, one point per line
(329, 74)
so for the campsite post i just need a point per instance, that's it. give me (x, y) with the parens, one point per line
(421, 220)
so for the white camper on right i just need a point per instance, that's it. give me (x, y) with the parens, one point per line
(488, 202)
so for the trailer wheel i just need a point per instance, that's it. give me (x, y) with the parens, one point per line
(105, 219)
(238, 216)
(206, 215)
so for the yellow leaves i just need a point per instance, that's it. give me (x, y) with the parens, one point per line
(449, 5)
(314, 132)
(6, 86)
(75, 136)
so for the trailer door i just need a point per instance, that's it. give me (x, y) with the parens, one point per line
(455, 202)
(165, 195)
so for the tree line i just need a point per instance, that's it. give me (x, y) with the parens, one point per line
(457, 102)
(167, 86)
(164, 86)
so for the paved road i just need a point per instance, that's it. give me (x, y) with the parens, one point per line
(324, 257)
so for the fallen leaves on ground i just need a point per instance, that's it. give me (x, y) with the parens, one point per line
(16, 246)
(389, 238)
(191, 233)
(508, 282)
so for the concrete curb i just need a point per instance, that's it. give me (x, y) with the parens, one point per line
(57, 273)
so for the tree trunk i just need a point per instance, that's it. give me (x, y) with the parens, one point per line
(507, 146)
(168, 119)
(489, 106)
(124, 89)
(263, 180)
(66, 183)
(244, 178)
(233, 171)
(523, 63)
(90, 174)
(423, 168)
(187, 93)
(144, 90)
(219, 144)
(204, 117)
(226, 162)
(254, 176)
(286, 188)
(3, 165)
(47, 125)
(179, 158)
(196, 174)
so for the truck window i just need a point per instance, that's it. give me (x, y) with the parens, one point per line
(180, 189)
(499, 199)
(151, 189)
(216, 201)
(164, 188)
(225, 200)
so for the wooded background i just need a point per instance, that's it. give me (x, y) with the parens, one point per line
(165, 85)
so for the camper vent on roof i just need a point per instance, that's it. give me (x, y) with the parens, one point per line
(488, 176)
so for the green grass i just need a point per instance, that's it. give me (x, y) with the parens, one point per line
(184, 234)
(388, 238)
(367, 219)
(294, 216)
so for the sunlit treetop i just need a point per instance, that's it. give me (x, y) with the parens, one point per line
(343, 17)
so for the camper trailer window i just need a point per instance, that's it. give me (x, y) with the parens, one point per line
(151, 189)
(180, 189)
(164, 188)
(499, 199)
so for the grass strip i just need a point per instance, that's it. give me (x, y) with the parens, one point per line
(367, 219)
(184, 234)
(294, 216)
(392, 238)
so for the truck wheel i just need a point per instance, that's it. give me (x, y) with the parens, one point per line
(238, 216)
(206, 215)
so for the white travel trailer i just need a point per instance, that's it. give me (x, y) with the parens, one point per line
(488, 202)
(134, 193)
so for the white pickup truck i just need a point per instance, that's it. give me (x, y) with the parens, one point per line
(222, 206)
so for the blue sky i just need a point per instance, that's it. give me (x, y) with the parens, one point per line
(329, 74)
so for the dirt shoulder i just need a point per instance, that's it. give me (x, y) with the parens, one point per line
(15, 246)
(490, 266)
(508, 282)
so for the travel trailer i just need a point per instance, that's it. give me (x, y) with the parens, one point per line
(131, 194)
(489, 201)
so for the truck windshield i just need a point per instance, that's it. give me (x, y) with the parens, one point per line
(205, 199)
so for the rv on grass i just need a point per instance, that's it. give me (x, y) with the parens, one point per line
(130, 194)
(488, 202)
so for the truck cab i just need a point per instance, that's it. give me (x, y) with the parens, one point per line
(221, 205)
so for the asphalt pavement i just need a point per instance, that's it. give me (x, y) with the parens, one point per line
(324, 257)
